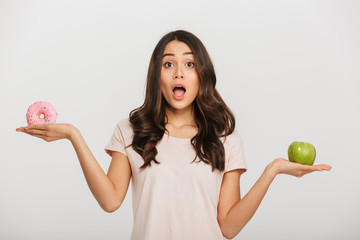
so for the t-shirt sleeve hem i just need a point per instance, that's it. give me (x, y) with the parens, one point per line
(109, 149)
(236, 166)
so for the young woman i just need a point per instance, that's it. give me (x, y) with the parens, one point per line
(181, 151)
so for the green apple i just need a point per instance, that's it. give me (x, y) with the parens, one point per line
(302, 152)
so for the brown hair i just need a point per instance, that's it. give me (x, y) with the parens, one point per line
(148, 121)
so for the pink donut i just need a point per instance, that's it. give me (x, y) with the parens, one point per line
(36, 109)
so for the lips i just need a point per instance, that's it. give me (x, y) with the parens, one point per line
(178, 86)
(178, 91)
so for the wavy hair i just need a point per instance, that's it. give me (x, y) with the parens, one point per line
(148, 121)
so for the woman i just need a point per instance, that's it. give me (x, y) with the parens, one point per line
(181, 150)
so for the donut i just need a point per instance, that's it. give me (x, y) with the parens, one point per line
(48, 112)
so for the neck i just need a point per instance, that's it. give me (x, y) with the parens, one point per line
(180, 117)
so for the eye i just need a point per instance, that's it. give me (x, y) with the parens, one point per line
(166, 64)
(191, 64)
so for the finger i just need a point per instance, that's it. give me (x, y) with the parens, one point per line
(314, 168)
(37, 135)
(20, 129)
(322, 167)
(36, 126)
(35, 131)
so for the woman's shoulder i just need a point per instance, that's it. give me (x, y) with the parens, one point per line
(124, 126)
(124, 122)
(232, 139)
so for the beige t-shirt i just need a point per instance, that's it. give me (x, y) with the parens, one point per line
(175, 199)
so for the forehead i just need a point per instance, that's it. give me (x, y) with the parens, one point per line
(176, 47)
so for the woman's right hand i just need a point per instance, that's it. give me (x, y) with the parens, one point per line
(49, 132)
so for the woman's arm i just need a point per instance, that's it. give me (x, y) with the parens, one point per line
(243, 210)
(109, 190)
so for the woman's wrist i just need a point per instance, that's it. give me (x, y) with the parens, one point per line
(72, 133)
(272, 169)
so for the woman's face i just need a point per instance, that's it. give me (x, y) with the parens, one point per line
(179, 79)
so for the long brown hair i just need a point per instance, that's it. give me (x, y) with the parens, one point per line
(213, 118)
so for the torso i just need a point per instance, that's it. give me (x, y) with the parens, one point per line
(176, 198)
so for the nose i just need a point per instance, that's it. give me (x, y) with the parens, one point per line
(179, 75)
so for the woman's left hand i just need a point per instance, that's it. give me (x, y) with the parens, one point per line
(284, 166)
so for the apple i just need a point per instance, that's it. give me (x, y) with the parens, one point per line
(302, 152)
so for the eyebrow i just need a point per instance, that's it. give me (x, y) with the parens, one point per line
(171, 54)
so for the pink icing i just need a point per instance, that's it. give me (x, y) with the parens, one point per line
(38, 108)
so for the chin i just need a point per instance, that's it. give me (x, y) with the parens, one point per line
(179, 106)
(182, 104)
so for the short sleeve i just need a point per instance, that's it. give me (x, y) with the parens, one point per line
(235, 158)
(117, 140)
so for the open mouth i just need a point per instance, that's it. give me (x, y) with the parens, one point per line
(179, 90)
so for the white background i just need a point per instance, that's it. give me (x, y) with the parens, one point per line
(289, 70)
